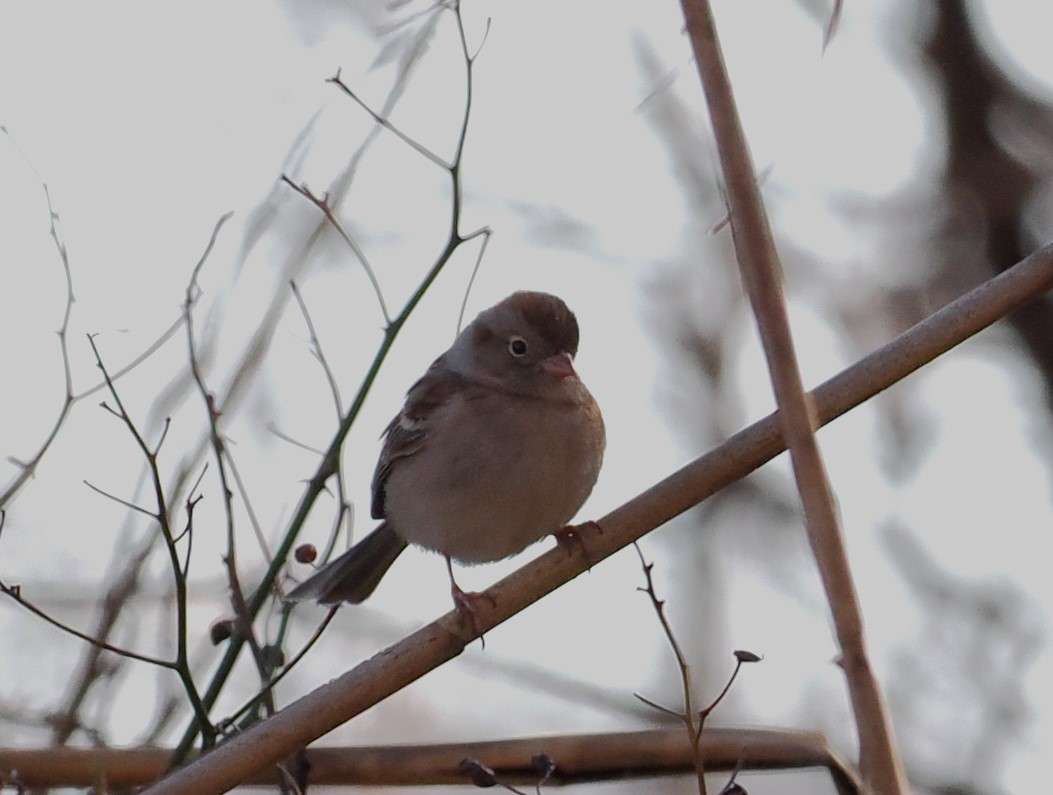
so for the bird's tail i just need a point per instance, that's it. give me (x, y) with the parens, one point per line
(353, 576)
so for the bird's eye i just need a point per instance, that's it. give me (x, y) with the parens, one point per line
(517, 346)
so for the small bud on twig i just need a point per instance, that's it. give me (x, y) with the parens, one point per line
(543, 765)
(478, 773)
(221, 630)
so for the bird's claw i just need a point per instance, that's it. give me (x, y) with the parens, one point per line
(572, 537)
(466, 602)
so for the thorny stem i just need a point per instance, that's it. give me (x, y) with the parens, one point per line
(181, 663)
(344, 509)
(244, 624)
(687, 715)
(694, 732)
(28, 468)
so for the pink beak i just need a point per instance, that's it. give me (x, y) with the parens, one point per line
(561, 365)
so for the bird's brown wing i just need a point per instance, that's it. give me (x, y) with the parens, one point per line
(407, 432)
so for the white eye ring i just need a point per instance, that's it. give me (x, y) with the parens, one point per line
(517, 346)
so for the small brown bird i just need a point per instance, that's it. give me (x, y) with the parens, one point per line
(497, 445)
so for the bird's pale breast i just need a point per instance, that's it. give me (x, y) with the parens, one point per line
(496, 474)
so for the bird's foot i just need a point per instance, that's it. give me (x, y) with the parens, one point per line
(467, 603)
(572, 538)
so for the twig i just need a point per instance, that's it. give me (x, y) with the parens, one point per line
(147, 352)
(245, 626)
(294, 442)
(415, 145)
(741, 658)
(687, 715)
(338, 403)
(191, 503)
(257, 530)
(316, 349)
(471, 279)
(127, 566)
(15, 592)
(28, 467)
(269, 686)
(127, 504)
(181, 662)
(322, 203)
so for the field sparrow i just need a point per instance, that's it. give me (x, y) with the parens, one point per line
(497, 446)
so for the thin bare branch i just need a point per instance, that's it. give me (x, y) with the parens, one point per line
(415, 145)
(316, 347)
(28, 468)
(687, 716)
(678, 714)
(294, 442)
(244, 625)
(15, 592)
(161, 516)
(161, 440)
(257, 530)
(741, 658)
(130, 505)
(341, 487)
(322, 203)
(485, 233)
(287, 668)
(148, 351)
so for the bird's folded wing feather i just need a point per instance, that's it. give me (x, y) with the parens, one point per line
(406, 434)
